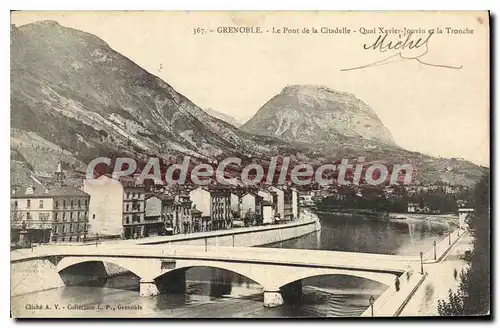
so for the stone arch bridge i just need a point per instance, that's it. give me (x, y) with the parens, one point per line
(161, 268)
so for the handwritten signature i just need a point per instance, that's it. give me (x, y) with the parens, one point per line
(383, 45)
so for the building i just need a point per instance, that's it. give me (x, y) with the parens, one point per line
(267, 212)
(413, 207)
(284, 202)
(306, 198)
(105, 208)
(184, 218)
(252, 206)
(50, 214)
(269, 196)
(196, 219)
(156, 206)
(235, 204)
(295, 203)
(464, 214)
(133, 209)
(215, 206)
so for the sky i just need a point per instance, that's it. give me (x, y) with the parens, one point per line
(433, 110)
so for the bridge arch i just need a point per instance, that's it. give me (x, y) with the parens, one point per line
(246, 270)
(298, 275)
(126, 264)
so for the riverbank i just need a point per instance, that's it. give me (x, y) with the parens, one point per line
(390, 216)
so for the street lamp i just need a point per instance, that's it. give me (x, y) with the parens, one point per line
(434, 243)
(371, 300)
(449, 237)
(421, 263)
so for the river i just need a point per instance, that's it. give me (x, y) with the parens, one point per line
(216, 293)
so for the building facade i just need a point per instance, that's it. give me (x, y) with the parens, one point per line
(251, 205)
(106, 207)
(215, 207)
(50, 214)
(133, 210)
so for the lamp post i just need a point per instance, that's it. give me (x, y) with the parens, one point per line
(434, 243)
(371, 300)
(421, 263)
(449, 238)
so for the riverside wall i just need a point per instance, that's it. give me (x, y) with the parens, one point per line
(243, 237)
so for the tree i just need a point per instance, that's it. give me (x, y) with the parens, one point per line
(473, 294)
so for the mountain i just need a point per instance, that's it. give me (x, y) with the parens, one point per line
(223, 117)
(73, 99)
(316, 114)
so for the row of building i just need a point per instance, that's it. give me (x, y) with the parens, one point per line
(108, 208)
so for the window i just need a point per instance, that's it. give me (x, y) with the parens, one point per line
(64, 216)
(57, 204)
(55, 216)
(64, 203)
(79, 203)
(86, 203)
(15, 204)
(133, 195)
(71, 203)
(63, 229)
(128, 195)
(40, 205)
(28, 203)
(93, 216)
(70, 227)
(127, 207)
(28, 216)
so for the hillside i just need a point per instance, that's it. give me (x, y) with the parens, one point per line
(73, 98)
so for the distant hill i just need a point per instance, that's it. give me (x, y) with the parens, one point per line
(224, 117)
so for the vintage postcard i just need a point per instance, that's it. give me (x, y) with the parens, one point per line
(263, 164)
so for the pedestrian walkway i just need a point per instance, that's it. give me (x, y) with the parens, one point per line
(439, 281)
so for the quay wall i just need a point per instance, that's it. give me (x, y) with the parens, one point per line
(243, 237)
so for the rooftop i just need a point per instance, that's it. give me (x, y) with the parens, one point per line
(48, 192)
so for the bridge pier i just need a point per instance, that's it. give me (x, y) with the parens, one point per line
(272, 298)
(148, 288)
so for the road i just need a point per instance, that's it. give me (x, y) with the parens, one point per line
(439, 281)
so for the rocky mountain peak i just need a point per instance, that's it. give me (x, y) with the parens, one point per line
(315, 114)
